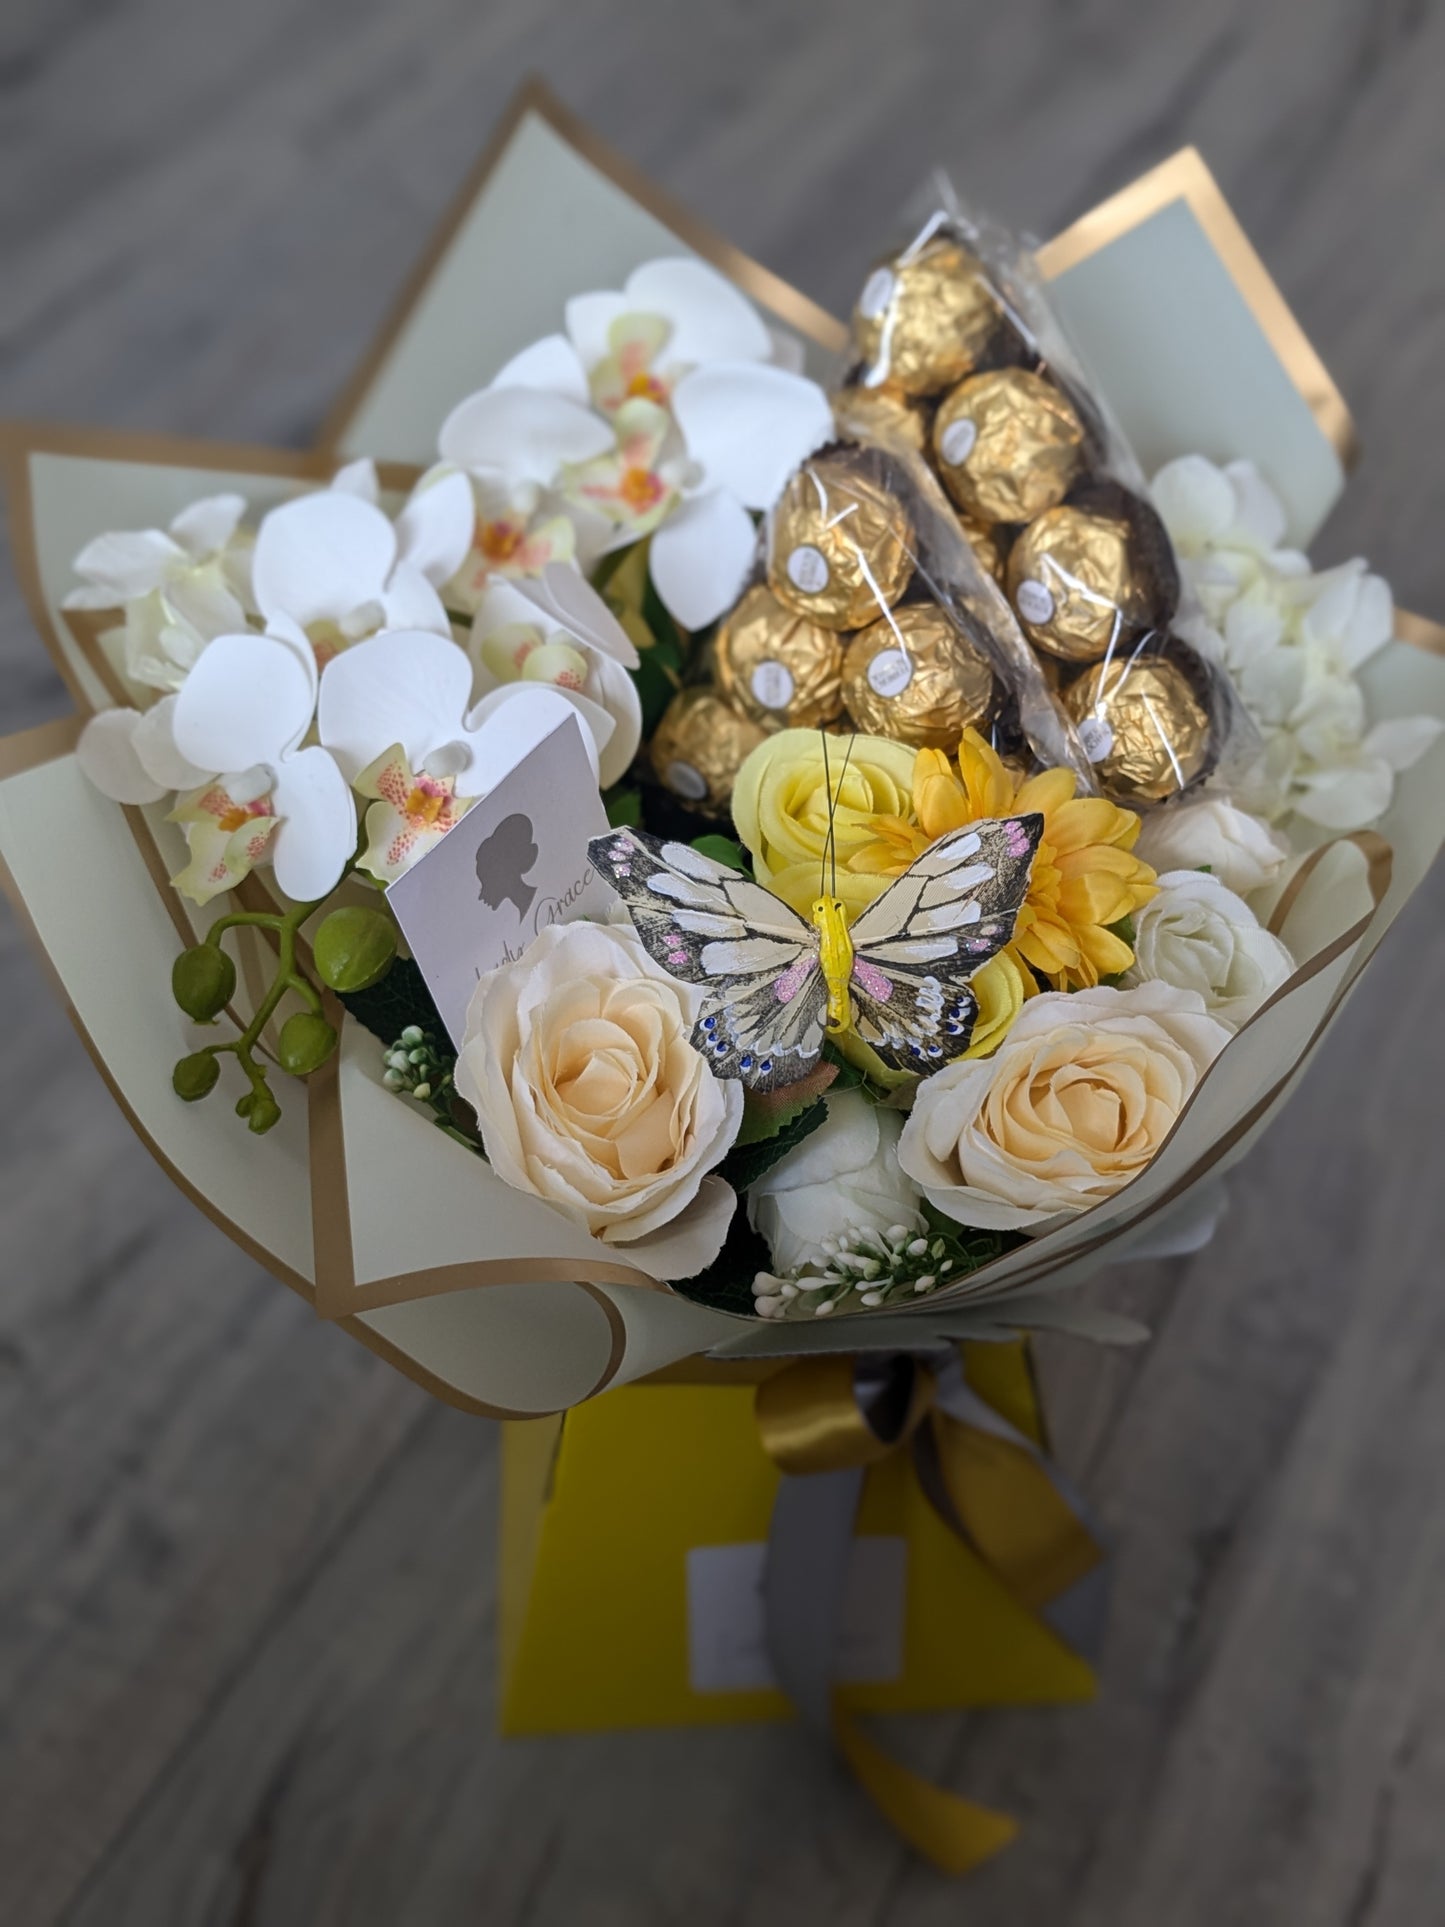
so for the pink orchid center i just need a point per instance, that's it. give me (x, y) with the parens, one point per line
(499, 541)
(640, 489)
(427, 801)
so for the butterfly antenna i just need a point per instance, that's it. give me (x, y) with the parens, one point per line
(833, 812)
(828, 839)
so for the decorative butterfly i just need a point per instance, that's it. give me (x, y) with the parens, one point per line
(776, 982)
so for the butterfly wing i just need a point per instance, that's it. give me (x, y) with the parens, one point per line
(757, 960)
(916, 947)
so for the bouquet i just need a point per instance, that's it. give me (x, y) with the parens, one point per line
(968, 797)
(687, 829)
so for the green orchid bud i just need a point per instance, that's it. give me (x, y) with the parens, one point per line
(305, 1043)
(263, 1114)
(354, 948)
(203, 981)
(195, 1076)
(245, 1105)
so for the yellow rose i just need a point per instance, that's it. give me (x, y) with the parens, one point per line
(780, 807)
(579, 1064)
(1076, 1101)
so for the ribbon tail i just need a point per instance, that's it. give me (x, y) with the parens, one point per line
(997, 1489)
(955, 1834)
(804, 1587)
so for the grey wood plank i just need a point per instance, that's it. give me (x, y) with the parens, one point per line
(245, 1651)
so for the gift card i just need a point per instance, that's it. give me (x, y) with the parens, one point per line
(515, 863)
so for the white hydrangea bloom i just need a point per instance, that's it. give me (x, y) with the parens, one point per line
(1293, 640)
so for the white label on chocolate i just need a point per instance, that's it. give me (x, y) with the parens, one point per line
(890, 672)
(877, 293)
(808, 569)
(956, 442)
(727, 1645)
(772, 684)
(1097, 738)
(1034, 600)
(685, 780)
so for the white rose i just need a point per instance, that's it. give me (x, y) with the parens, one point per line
(578, 1062)
(1198, 935)
(844, 1176)
(1238, 848)
(1075, 1102)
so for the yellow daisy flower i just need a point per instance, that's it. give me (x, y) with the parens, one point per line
(1085, 875)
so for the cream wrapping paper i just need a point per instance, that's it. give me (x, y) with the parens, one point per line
(489, 1298)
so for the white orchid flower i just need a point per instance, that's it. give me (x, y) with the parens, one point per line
(662, 412)
(746, 427)
(335, 564)
(671, 316)
(179, 587)
(557, 632)
(736, 433)
(396, 712)
(244, 710)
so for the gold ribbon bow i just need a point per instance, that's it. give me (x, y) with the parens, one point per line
(823, 1421)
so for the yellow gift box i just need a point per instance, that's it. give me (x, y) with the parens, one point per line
(602, 1505)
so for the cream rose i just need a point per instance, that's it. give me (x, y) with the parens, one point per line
(1200, 936)
(578, 1062)
(1080, 1095)
(1241, 850)
(842, 1177)
(781, 808)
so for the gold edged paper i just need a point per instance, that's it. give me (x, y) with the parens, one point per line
(1184, 176)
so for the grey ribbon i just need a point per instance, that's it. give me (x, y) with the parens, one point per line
(810, 1540)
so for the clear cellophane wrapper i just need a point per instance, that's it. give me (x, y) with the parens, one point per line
(866, 612)
(961, 369)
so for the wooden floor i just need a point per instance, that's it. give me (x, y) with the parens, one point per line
(247, 1623)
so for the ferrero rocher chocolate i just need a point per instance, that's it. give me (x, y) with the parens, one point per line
(987, 546)
(1073, 580)
(1142, 725)
(927, 318)
(883, 414)
(776, 667)
(699, 746)
(915, 676)
(1008, 444)
(840, 543)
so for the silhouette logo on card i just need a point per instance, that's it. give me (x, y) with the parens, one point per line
(516, 862)
(503, 863)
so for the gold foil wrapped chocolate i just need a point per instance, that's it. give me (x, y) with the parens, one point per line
(988, 547)
(699, 747)
(1142, 725)
(915, 676)
(883, 414)
(1008, 444)
(1073, 581)
(777, 667)
(927, 318)
(840, 545)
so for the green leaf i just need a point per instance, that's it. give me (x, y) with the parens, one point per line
(750, 1160)
(763, 1120)
(658, 677)
(722, 849)
(399, 999)
(1123, 930)
(850, 1077)
(727, 1283)
(967, 1246)
(623, 803)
